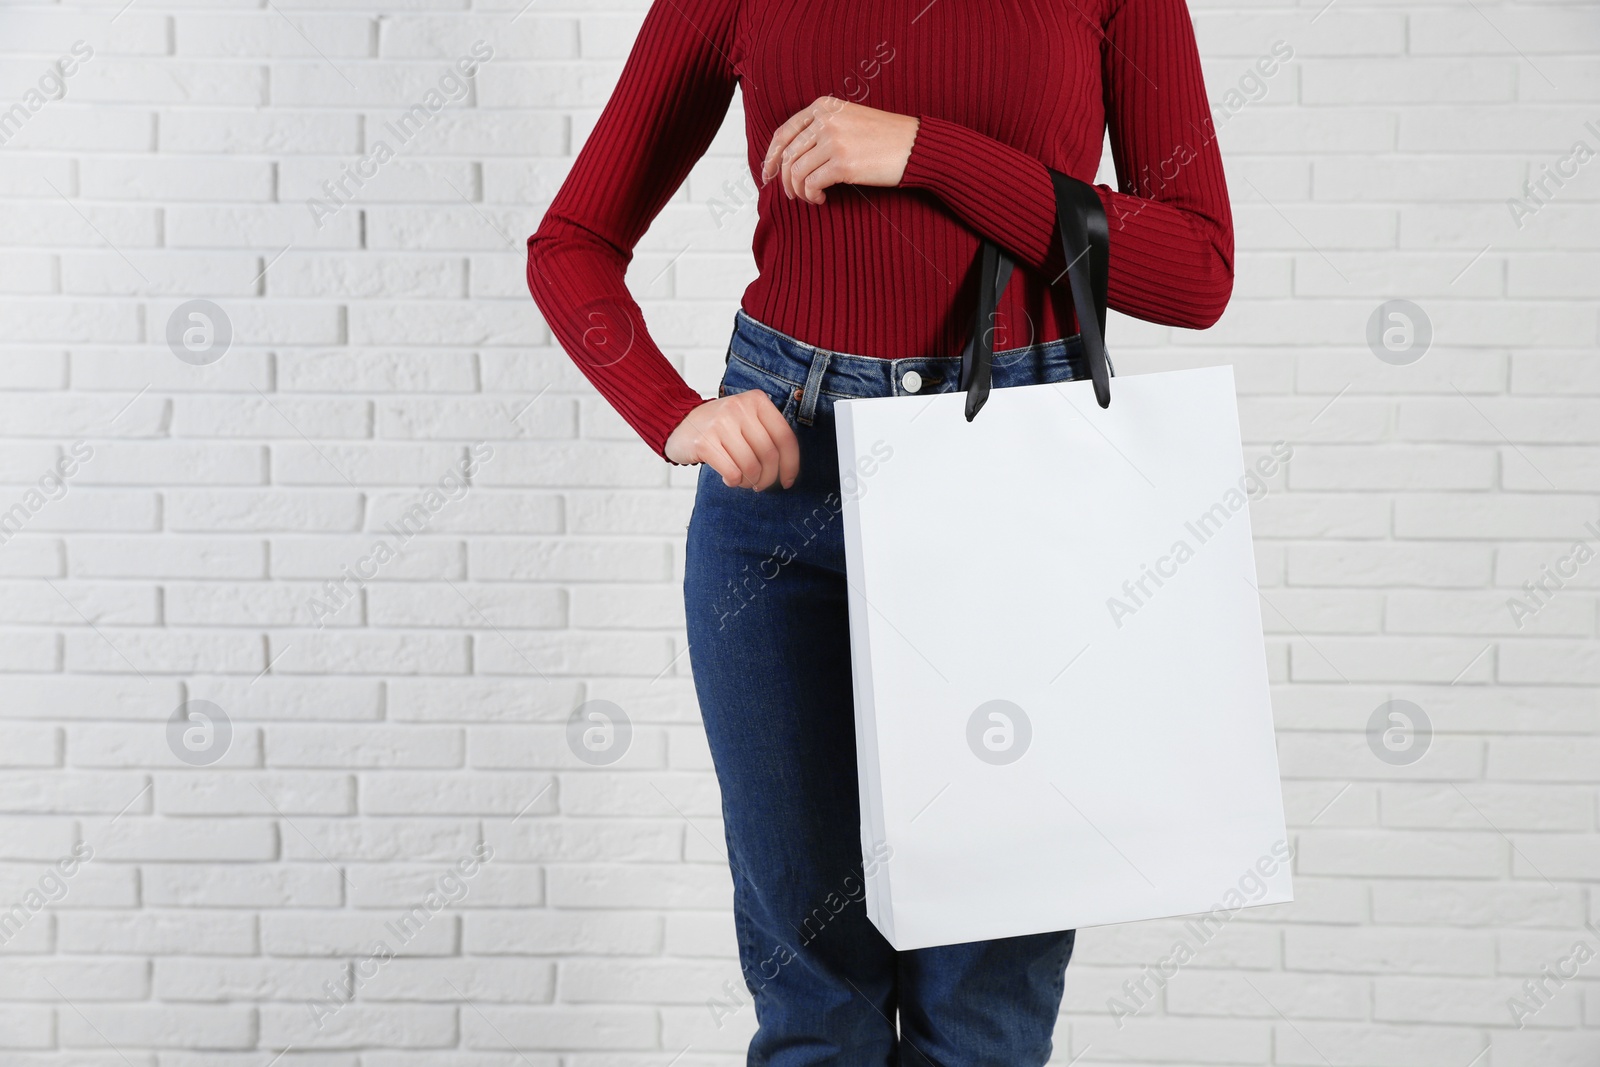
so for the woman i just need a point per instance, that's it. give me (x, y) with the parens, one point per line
(889, 137)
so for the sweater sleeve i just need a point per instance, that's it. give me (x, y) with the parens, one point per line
(667, 106)
(1170, 223)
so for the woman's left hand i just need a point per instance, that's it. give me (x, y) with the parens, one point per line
(835, 141)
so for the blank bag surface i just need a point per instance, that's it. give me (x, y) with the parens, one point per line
(1062, 710)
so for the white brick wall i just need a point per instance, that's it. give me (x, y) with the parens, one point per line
(230, 907)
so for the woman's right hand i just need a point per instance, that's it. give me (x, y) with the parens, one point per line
(743, 437)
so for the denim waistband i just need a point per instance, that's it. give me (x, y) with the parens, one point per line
(842, 374)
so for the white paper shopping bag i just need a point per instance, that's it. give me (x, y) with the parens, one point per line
(1060, 681)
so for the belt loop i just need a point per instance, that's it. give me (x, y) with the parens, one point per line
(808, 399)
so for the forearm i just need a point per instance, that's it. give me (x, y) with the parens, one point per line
(1170, 263)
(577, 281)
(669, 101)
(1001, 193)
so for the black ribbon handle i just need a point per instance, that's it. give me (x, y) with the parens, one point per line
(1086, 244)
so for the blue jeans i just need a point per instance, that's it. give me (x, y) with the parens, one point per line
(769, 641)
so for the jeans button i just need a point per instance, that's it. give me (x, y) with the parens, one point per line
(912, 381)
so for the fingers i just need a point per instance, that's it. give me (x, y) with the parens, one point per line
(811, 185)
(743, 437)
(782, 436)
(781, 139)
(800, 165)
(787, 143)
(713, 455)
(756, 409)
(746, 440)
(804, 142)
(744, 457)
(699, 439)
(766, 453)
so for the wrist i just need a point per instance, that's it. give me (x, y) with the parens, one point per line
(669, 445)
(677, 448)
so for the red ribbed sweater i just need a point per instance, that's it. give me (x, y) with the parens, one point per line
(1003, 89)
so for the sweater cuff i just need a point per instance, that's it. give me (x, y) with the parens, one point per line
(998, 191)
(941, 151)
